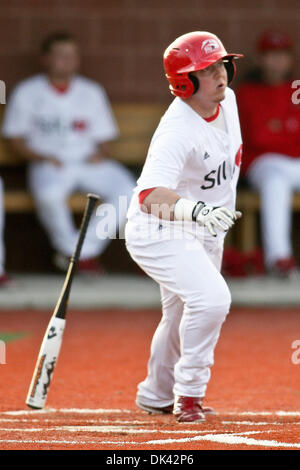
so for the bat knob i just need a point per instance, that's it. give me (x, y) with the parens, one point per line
(93, 196)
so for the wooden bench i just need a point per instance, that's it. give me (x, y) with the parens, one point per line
(249, 203)
(20, 201)
(136, 121)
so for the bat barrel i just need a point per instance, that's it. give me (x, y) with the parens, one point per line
(51, 344)
(45, 365)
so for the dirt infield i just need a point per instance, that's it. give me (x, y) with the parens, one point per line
(255, 386)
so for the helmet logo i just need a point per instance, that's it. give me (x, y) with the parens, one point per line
(210, 45)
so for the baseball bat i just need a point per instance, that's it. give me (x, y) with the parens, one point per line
(49, 351)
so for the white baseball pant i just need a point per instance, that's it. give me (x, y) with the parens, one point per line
(51, 186)
(195, 301)
(275, 177)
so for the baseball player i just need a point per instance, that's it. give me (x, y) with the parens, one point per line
(182, 207)
(61, 123)
(270, 123)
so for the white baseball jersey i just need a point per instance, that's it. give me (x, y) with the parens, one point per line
(196, 160)
(66, 125)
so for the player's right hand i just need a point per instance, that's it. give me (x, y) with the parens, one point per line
(217, 218)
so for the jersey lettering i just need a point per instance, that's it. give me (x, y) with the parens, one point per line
(209, 179)
(212, 180)
(59, 127)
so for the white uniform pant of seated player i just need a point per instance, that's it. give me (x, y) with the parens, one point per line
(195, 301)
(51, 187)
(276, 177)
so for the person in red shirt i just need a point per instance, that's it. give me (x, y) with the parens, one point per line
(270, 121)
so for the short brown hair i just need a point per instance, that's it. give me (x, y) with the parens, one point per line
(59, 36)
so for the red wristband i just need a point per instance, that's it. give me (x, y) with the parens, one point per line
(143, 194)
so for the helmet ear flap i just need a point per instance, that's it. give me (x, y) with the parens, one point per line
(181, 86)
(195, 82)
(230, 69)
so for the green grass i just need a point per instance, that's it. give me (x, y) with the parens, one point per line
(12, 336)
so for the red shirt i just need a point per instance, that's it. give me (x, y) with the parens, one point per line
(270, 121)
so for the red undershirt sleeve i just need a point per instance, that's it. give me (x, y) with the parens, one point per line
(143, 194)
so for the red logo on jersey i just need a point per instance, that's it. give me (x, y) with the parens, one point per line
(79, 125)
(238, 157)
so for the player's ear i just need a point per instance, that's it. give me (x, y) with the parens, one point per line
(195, 82)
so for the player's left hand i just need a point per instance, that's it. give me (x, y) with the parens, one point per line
(223, 218)
(220, 218)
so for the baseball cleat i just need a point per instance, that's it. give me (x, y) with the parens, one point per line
(189, 410)
(207, 410)
(90, 266)
(284, 268)
(152, 410)
(87, 266)
(6, 281)
(168, 409)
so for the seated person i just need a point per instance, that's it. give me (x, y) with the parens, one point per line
(61, 123)
(270, 123)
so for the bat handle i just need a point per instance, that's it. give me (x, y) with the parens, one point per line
(92, 199)
(63, 300)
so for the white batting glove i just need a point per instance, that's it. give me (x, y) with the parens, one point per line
(215, 217)
(208, 216)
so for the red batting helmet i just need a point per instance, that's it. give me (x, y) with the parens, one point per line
(191, 52)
